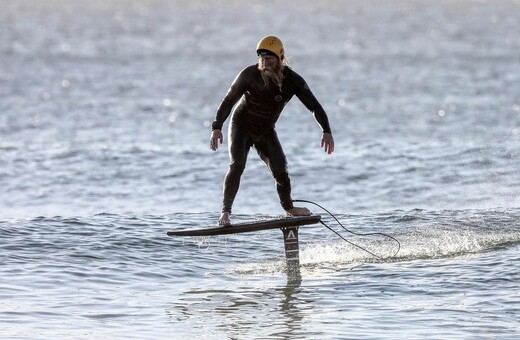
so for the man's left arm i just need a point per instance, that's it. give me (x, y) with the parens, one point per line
(308, 99)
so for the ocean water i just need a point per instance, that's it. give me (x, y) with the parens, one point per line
(104, 148)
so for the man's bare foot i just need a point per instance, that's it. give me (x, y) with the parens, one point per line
(298, 211)
(224, 219)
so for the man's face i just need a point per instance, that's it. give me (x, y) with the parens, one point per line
(268, 61)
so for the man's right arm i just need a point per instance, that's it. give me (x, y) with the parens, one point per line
(236, 90)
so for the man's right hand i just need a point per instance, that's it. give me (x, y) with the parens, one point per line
(216, 137)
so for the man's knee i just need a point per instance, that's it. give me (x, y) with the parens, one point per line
(237, 168)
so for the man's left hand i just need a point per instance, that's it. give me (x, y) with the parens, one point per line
(327, 141)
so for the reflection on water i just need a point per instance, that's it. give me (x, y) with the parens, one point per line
(293, 308)
(235, 312)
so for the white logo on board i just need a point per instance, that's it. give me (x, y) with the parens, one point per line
(290, 235)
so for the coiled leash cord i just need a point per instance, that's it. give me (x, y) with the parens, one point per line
(350, 231)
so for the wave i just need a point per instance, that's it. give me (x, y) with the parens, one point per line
(422, 234)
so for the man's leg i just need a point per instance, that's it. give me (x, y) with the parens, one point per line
(271, 152)
(239, 145)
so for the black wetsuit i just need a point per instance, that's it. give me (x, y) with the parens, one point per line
(253, 123)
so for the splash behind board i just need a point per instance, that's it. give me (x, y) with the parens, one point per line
(250, 226)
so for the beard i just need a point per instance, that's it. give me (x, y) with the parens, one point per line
(272, 75)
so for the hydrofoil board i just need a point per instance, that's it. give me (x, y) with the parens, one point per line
(249, 226)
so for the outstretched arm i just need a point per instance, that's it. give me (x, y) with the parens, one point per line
(236, 90)
(234, 93)
(308, 99)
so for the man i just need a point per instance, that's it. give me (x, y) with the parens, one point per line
(263, 89)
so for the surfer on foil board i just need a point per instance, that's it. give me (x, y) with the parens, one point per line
(263, 90)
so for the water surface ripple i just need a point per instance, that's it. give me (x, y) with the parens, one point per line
(104, 127)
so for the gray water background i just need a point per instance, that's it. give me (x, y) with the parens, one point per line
(104, 127)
